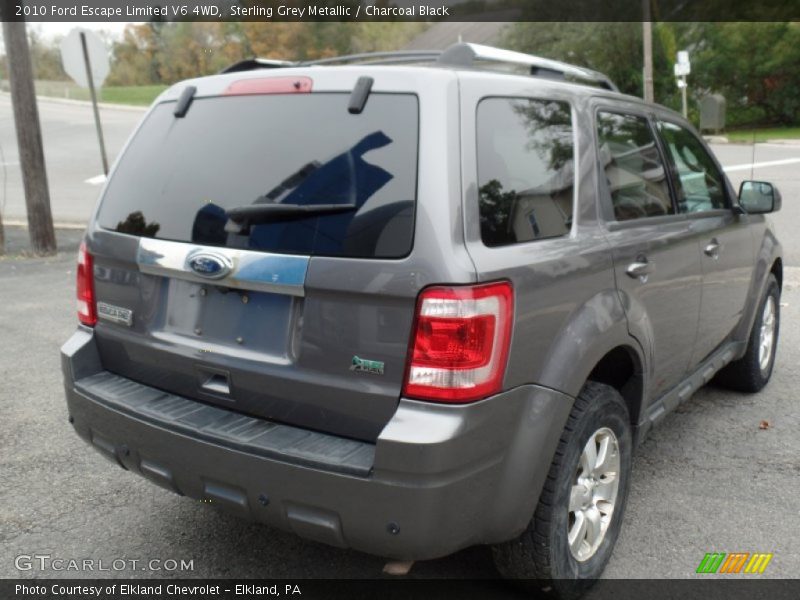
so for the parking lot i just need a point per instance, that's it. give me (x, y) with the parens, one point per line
(722, 473)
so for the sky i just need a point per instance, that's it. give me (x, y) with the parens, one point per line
(52, 30)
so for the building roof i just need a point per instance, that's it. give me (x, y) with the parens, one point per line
(440, 36)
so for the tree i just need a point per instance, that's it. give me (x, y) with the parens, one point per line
(157, 52)
(45, 57)
(756, 66)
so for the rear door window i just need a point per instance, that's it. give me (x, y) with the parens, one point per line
(180, 176)
(632, 163)
(526, 173)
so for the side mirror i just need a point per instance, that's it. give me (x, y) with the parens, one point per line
(759, 197)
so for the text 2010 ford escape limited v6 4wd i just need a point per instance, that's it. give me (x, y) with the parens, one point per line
(412, 308)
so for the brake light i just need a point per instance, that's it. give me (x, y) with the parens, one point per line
(269, 85)
(87, 311)
(460, 344)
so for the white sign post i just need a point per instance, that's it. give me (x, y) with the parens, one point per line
(682, 69)
(85, 59)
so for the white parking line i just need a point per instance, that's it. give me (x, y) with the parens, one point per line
(769, 163)
(96, 180)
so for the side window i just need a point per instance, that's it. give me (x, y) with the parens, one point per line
(700, 184)
(630, 158)
(525, 169)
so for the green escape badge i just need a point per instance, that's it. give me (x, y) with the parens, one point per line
(367, 366)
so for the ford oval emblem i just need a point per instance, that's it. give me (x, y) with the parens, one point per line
(210, 265)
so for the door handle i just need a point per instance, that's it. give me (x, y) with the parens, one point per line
(640, 269)
(712, 249)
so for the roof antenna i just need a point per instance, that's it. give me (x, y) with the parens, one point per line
(459, 38)
(753, 160)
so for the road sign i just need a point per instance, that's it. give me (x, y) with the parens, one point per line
(73, 60)
(683, 67)
(681, 70)
(85, 59)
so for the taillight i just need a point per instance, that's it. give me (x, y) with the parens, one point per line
(87, 311)
(460, 344)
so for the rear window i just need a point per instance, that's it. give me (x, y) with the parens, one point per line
(179, 176)
(525, 170)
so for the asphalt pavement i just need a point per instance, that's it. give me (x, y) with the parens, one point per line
(710, 478)
(721, 474)
(72, 155)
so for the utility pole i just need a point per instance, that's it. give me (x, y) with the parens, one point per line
(29, 139)
(2, 237)
(647, 40)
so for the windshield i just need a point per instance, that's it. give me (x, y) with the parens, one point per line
(180, 176)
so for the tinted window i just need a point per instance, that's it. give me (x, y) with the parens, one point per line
(700, 184)
(179, 176)
(633, 167)
(525, 170)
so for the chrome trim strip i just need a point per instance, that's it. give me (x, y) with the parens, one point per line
(256, 271)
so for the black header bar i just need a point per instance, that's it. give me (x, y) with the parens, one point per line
(398, 10)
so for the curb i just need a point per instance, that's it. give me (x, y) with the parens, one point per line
(56, 224)
(69, 101)
(783, 142)
(721, 139)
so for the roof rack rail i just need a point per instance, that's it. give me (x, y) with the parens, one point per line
(468, 55)
(457, 55)
(379, 58)
(370, 58)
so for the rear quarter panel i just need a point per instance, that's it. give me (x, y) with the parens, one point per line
(567, 311)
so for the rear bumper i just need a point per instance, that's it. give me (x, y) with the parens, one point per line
(439, 478)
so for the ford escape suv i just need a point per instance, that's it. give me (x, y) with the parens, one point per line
(409, 308)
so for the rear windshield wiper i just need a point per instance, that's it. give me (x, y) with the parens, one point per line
(266, 213)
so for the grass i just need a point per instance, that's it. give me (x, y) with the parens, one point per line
(141, 95)
(762, 135)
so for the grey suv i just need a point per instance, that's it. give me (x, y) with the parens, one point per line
(409, 308)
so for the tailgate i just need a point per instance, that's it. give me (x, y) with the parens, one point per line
(301, 319)
(312, 352)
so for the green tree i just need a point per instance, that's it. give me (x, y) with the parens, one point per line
(756, 66)
(611, 48)
(45, 56)
(158, 52)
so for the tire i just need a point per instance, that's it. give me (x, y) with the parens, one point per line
(751, 373)
(541, 556)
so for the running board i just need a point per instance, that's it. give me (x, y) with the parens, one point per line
(686, 389)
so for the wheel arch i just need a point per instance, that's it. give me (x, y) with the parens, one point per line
(777, 270)
(769, 261)
(622, 369)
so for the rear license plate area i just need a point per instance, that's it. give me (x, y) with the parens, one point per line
(256, 321)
